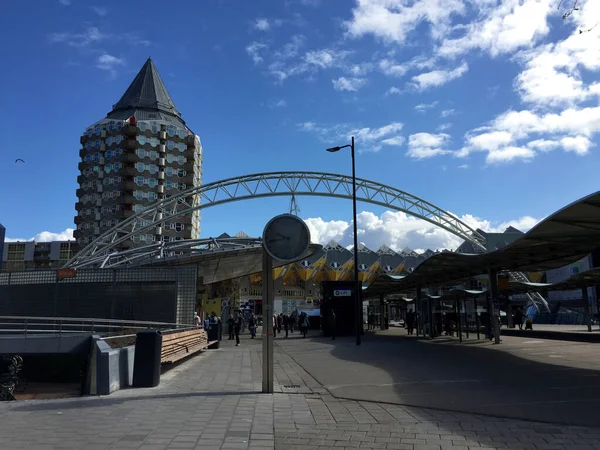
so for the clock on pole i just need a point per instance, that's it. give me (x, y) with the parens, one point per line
(286, 238)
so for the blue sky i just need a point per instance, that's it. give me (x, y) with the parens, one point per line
(487, 109)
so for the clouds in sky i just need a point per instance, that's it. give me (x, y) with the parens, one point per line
(47, 236)
(394, 229)
(398, 230)
(371, 139)
(554, 80)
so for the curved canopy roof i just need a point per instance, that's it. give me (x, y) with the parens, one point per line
(226, 263)
(563, 238)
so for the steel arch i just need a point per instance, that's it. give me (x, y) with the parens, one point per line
(271, 184)
(166, 250)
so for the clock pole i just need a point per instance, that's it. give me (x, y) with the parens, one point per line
(267, 334)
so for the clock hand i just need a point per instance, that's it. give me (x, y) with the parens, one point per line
(275, 240)
(287, 238)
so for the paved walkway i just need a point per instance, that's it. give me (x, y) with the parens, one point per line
(530, 379)
(212, 402)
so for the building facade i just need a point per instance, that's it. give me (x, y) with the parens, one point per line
(31, 255)
(140, 154)
(297, 286)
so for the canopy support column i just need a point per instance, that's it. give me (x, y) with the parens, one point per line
(586, 306)
(418, 315)
(494, 318)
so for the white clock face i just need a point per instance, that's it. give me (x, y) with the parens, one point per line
(286, 238)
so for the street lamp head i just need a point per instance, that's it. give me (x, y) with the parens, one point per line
(334, 149)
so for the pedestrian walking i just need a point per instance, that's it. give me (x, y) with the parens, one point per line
(238, 321)
(287, 322)
(252, 326)
(519, 318)
(304, 324)
(230, 323)
(410, 322)
(332, 324)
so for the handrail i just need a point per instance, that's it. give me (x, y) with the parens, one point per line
(93, 319)
(69, 325)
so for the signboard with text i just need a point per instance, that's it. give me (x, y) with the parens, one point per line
(342, 293)
(65, 273)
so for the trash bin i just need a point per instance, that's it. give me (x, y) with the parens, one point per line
(146, 362)
(213, 335)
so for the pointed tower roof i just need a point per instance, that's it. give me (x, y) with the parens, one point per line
(147, 98)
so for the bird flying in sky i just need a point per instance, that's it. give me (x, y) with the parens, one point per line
(19, 159)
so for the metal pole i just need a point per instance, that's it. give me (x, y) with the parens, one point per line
(267, 330)
(586, 306)
(495, 324)
(357, 295)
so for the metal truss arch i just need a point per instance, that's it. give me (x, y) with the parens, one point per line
(272, 184)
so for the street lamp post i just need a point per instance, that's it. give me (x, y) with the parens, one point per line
(357, 289)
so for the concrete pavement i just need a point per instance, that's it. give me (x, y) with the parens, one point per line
(212, 402)
(550, 381)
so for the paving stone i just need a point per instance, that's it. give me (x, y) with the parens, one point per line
(214, 401)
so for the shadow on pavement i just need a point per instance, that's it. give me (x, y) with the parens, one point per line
(462, 378)
(98, 402)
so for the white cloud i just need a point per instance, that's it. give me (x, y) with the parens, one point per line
(321, 58)
(65, 2)
(254, 50)
(390, 68)
(367, 139)
(360, 70)
(348, 84)
(491, 141)
(463, 166)
(395, 141)
(109, 63)
(393, 91)
(520, 134)
(447, 113)
(444, 126)
(262, 24)
(394, 20)
(543, 145)
(508, 154)
(578, 144)
(423, 107)
(437, 78)
(288, 61)
(280, 103)
(90, 35)
(426, 145)
(101, 11)
(47, 236)
(398, 230)
(504, 27)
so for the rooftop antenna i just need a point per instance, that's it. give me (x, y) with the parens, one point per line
(294, 208)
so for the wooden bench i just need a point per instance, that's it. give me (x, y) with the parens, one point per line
(181, 344)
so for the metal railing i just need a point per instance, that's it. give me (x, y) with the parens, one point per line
(563, 318)
(32, 325)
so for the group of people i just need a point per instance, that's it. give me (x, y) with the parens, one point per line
(288, 323)
(235, 324)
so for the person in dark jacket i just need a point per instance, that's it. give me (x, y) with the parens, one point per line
(230, 323)
(410, 322)
(252, 326)
(332, 324)
(238, 321)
